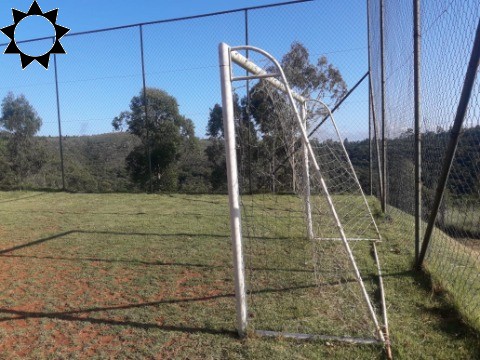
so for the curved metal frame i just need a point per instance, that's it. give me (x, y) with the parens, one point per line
(234, 56)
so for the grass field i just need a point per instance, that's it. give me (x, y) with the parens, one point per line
(150, 276)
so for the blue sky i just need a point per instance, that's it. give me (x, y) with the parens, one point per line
(101, 72)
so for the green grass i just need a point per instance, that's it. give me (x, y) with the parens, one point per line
(150, 276)
(456, 268)
(323, 296)
(454, 265)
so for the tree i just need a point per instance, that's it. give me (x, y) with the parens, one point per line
(19, 118)
(215, 151)
(215, 122)
(163, 133)
(261, 141)
(322, 80)
(20, 122)
(273, 114)
(246, 140)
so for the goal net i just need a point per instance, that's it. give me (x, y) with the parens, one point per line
(303, 233)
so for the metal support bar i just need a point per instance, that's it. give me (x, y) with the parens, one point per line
(242, 61)
(453, 143)
(386, 330)
(370, 152)
(306, 179)
(384, 141)
(371, 115)
(167, 21)
(253, 77)
(60, 139)
(377, 145)
(418, 118)
(349, 239)
(247, 42)
(145, 101)
(296, 336)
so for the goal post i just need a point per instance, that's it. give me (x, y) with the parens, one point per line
(311, 174)
(233, 189)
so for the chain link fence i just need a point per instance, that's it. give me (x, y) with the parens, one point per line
(445, 41)
(112, 74)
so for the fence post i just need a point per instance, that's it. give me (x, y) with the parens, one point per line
(247, 42)
(145, 101)
(59, 119)
(384, 142)
(377, 146)
(453, 143)
(370, 155)
(418, 119)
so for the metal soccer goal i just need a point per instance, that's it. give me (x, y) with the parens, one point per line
(304, 239)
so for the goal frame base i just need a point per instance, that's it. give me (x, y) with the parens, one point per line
(313, 337)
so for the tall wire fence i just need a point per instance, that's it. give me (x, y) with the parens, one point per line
(445, 35)
(77, 148)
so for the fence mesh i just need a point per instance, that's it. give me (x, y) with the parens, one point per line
(447, 34)
(102, 78)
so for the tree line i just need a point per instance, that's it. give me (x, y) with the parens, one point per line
(154, 147)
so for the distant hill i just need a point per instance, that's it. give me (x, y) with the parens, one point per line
(96, 163)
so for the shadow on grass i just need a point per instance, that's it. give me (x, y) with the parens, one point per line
(8, 252)
(75, 315)
(78, 315)
(36, 242)
(449, 319)
(88, 314)
(123, 261)
(148, 263)
(70, 232)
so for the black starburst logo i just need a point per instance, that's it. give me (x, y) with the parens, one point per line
(43, 59)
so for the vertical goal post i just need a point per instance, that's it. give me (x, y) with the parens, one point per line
(229, 56)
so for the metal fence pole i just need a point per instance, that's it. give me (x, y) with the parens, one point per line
(384, 143)
(453, 143)
(377, 146)
(370, 155)
(145, 101)
(418, 119)
(247, 42)
(59, 119)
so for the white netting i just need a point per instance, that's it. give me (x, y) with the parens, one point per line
(301, 279)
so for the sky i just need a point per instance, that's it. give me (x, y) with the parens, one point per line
(102, 72)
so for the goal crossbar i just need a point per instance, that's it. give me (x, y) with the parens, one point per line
(258, 72)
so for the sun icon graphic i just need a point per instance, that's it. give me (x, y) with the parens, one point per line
(51, 16)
